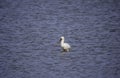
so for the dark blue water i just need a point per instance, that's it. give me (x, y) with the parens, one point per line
(30, 31)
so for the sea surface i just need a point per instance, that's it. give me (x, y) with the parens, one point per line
(30, 31)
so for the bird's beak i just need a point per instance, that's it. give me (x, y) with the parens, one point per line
(60, 39)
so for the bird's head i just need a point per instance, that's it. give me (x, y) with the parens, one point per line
(61, 38)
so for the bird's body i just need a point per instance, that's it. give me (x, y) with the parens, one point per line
(64, 46)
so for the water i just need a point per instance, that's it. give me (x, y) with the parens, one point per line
(30, 31)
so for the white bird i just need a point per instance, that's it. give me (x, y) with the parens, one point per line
(64, 46)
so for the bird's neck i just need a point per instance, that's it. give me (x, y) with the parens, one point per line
(62, 42)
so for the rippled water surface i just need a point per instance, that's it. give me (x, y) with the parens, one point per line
(30, 32)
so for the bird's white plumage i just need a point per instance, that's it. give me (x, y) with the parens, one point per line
(65, 46)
